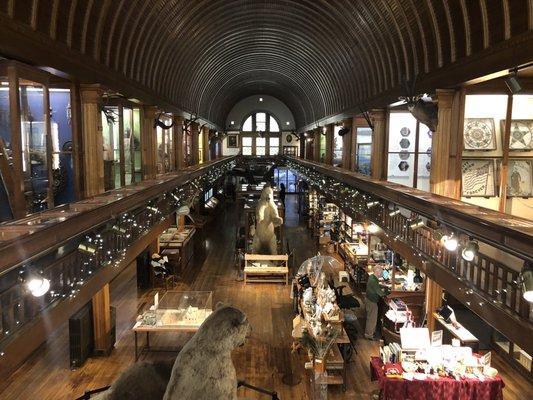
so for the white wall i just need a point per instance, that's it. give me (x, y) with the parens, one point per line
(269, 104)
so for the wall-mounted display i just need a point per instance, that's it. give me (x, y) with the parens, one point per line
(479, 134)
(521, 134)
(233, 141)
(478, 178)
(519, 181)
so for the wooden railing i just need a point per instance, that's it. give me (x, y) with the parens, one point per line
(486, 285)
(48, 243)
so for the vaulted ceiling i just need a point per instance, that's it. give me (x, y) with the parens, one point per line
(319, 57)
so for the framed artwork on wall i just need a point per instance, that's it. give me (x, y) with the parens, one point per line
(519, 179)
(478, 178)
(479, 134)
(521, 134)
(233, 141)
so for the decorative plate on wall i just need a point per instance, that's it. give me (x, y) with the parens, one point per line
(478, 178)
(405, 143)
(521, 134)
(479, 134)
(405, 131)
(404, 155)
(288, 138)
(519, 181)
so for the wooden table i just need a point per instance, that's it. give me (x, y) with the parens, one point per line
(268, 271)
(461, 333)
(140, 328)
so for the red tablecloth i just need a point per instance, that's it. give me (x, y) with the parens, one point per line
(435, 389)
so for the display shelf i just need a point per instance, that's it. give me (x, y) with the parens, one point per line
(266, 268)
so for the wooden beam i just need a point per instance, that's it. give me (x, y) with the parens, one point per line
(102, 321)
(93, 141)
(378, 158)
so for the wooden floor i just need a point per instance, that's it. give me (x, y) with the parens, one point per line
(262, 361)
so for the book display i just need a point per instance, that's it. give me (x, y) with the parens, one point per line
(418, 364)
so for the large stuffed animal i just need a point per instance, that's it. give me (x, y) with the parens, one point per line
(141, 381)
(203, 369)
(267, 218)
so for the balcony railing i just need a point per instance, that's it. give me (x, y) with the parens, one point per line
(486, 285)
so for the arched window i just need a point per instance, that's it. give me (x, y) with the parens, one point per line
(260, 122)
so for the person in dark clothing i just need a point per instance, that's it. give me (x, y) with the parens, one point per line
(282, 193)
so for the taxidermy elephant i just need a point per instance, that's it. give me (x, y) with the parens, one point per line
(267, 218)
(203, 370)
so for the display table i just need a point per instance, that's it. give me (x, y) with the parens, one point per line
(176, 244)
(437, 389)
(266, 268)
(464, 335)
(175, 312)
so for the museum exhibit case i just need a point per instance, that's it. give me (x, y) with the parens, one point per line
(38, 170)
(175, 311)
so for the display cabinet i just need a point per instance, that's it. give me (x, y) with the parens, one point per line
(38, 158)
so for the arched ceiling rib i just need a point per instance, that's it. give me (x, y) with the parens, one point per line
(320, 57)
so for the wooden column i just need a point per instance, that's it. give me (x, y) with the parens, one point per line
(179, 151)
(92, 140)
(205, 148)
(122, 152)
(328, 159)
(102, 321)
(194, 143)
(315, 134)
(504, 172)
(445, 178)
(18, 201)
(347, 143)
(302, 145)
(149, 142)
(378, 158)
(445, 153)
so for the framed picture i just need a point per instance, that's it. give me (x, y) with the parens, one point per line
(478, 178)
(521, 134)
(233, 141)
(479, 134)
(519, 178)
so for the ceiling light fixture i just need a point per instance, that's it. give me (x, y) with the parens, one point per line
(394, 212)
(416, 223)
(372, 204)
(37, 285)
(450, 242)
(526, 281)
(470, 250)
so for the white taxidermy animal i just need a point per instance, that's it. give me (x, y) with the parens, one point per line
(203, 369)
(267, 218)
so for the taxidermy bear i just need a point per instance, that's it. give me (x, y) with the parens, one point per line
(203, 370)
(142, 380)
(267, 218)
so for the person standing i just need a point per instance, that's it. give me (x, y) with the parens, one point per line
(374, 292)
(282, 193)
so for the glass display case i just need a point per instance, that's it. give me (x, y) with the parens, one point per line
(179, 309)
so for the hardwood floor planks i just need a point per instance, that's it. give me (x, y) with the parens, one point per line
(264, 359)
